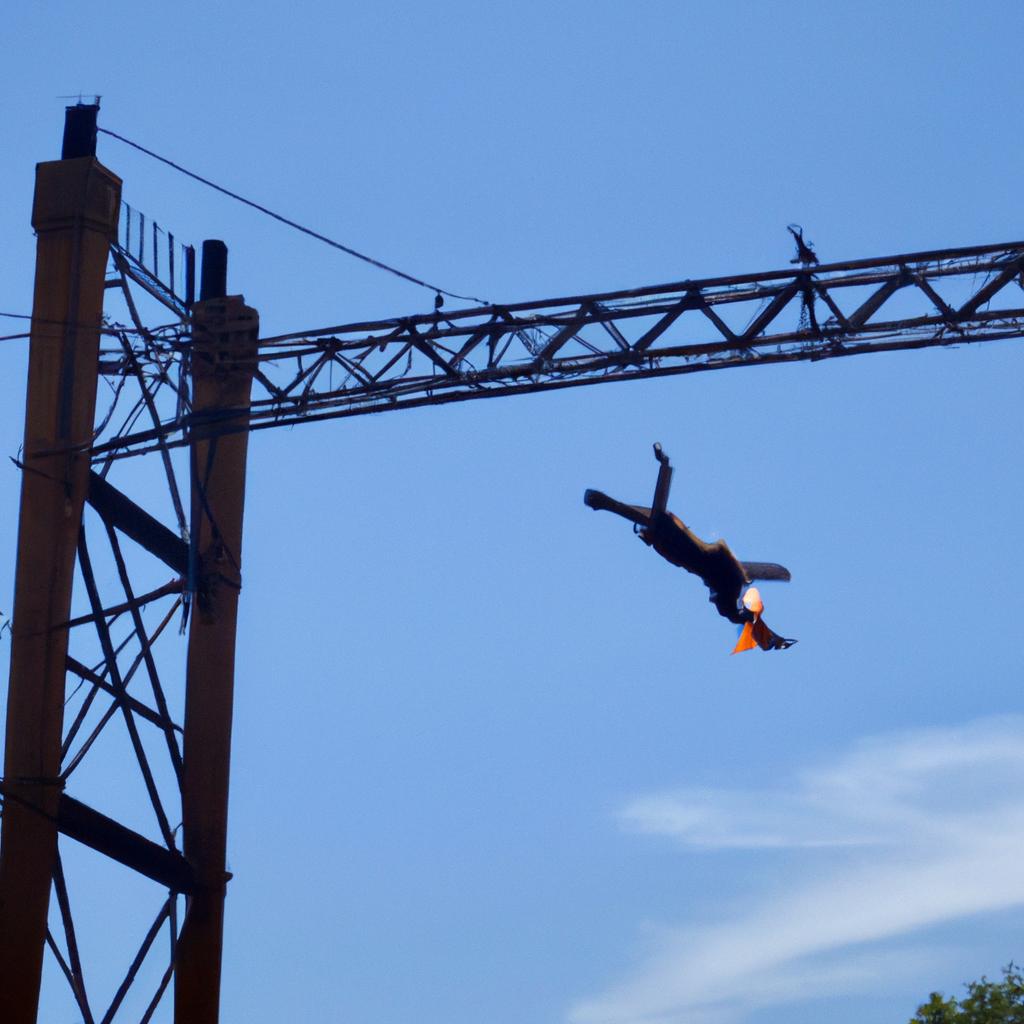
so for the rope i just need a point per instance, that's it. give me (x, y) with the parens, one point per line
(298, 227)
(112, 329)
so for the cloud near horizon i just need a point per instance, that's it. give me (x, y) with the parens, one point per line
(901, 832)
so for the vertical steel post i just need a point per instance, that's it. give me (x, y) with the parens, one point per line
(225, 332)
(75, 215)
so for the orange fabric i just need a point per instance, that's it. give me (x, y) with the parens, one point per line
(756, 633)
(747, 641)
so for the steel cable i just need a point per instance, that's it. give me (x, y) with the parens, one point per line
(298, 227)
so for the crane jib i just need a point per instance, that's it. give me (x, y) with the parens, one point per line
(905, 302)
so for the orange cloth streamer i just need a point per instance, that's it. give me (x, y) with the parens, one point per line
(756, 633)
(746, 641)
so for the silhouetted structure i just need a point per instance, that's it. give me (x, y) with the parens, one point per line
(723, 574)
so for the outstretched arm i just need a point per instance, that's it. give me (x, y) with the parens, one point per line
(599, 501)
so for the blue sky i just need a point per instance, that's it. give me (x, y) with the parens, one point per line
(492, 760)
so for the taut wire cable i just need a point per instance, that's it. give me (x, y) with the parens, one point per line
(298, 227)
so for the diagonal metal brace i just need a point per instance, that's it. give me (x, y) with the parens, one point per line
(80, 822)
(121, 512)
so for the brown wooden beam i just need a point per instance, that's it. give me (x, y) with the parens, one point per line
(75, 218)
(223, 360)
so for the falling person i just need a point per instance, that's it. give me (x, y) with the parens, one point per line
(723, 574)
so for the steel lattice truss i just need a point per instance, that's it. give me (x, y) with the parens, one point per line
(114, 644)
(125, 669)
(918, 300)
(123, 705)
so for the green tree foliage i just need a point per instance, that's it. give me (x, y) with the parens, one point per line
(986, 1002)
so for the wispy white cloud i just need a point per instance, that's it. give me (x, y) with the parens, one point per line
(928, 827)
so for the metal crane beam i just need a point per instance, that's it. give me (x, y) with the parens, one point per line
(910, 301)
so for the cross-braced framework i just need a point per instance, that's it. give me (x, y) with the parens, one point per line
(917, 300)
(139, 573)
(136, 594)
(124, 696)
(132, 572)
(903, 302)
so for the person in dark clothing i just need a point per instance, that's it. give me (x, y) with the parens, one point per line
(722, 572)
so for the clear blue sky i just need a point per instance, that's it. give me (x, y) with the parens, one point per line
(493, 762)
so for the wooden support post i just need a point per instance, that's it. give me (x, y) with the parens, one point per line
(223, 361)
(75, 217)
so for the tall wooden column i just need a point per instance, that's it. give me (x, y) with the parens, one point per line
(225, 331)
(75, 217)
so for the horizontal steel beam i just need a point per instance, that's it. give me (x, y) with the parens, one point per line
(853, 271)
(790, 315)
